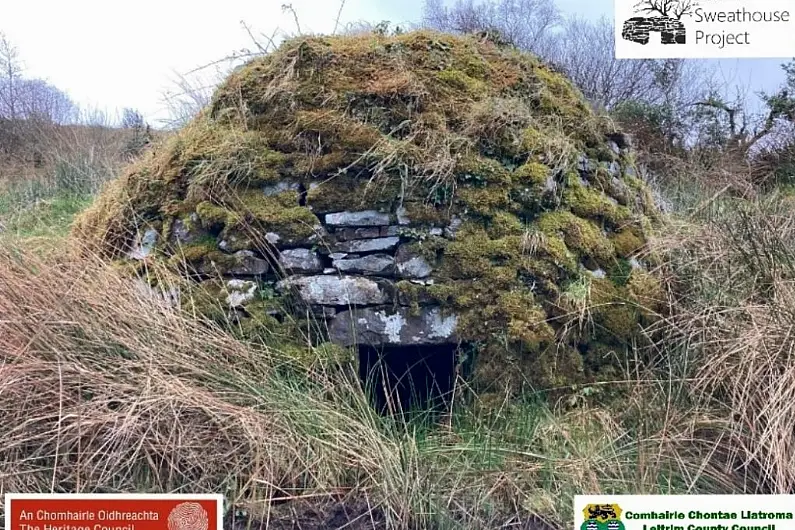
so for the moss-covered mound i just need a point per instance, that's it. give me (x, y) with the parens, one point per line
(418, 189)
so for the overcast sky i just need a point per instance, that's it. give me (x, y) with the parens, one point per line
(111, 55)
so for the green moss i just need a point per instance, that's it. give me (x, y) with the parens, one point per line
(429, 248)
(203, 256)
(425, 213)
(532, 174)
(614, 314)
(409, 294)
(627, 242)
(557, 96)
(345, 192)
(503, 365)
(647, 291)
(337, 131)
(580, 235)
(461, 81)
(485, 185)
(559, 367)
(479, 172)
(485, 201)
(474, 255)
(280, 213)
(554, 248)
(213, 216)
(619, 271)
(602, 153)
(204, 300)
(618, 321)
(443, 125)
(503, 224)
(590, 203)
(236, 237)
(534, 141)
(194, 252)
(459, 294)
(473, 65)
(525, 319)
(607, 362)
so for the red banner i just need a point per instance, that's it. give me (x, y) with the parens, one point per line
(113, 512)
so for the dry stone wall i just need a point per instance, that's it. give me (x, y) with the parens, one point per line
(345, 273)
(419, 190)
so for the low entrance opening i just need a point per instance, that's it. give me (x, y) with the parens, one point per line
(400, 379)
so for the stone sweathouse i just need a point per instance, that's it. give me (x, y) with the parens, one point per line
(639, 29)
(415, 193)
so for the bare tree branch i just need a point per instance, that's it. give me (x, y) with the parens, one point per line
(666, 8)
(684, 7)
(339, 15)
(527, 24)
(289, 7)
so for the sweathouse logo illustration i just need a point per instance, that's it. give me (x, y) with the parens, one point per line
(704, 28)
(667, 22)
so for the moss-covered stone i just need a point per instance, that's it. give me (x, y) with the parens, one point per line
(281, 214)
(473, 150)
(215, 217)
(581, 236)
(627, 242)
(590, 203)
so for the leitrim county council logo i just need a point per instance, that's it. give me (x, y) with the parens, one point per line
(602, 517)
(667, 21)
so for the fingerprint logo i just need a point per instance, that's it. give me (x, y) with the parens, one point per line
(188, 516)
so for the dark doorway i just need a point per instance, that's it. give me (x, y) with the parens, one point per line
(399, 379)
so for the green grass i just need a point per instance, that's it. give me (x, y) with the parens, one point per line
(46, 217)
(46, 206)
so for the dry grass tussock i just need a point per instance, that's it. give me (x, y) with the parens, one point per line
(64, 156)
(104, 387)
(49, 172)
(734, 291)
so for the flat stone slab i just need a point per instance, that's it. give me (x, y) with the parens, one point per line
(380, 244)
(300, 260)
(410, 265)
(393, 327)
(248, 264)
(368, 232)
(373, 264)
(364, 218)
(183, 233)
(240, 292)
(144, 245)
(280, 187)
(337, 290)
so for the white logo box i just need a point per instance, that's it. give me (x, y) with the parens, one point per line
(693, 512)
(704, 29)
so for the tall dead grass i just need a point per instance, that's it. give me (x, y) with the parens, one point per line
(735, 271)
(105, 387)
